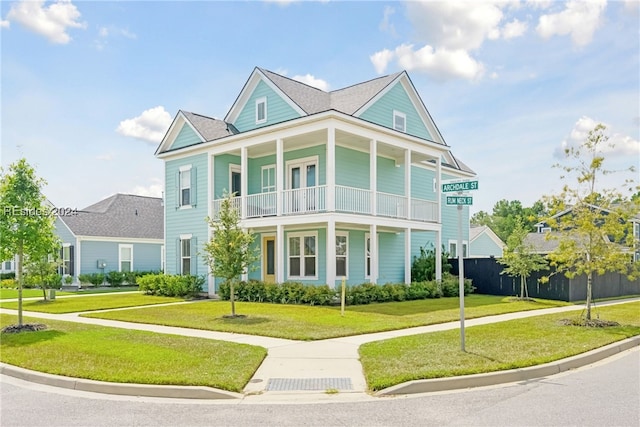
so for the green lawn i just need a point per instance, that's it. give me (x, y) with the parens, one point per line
(127, 356)
(89, 303)
(313, 323)
(26, 293)
(494, 347)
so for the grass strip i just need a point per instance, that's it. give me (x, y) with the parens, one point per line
(128, 356)
(6, 293)
(499, 346)
(300, 322)
(90, 303)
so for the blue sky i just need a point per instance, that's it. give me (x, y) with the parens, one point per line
(89, 88)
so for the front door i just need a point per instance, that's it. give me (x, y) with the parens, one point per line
(269, 259)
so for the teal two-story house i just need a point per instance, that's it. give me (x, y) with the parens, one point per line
(340, 184)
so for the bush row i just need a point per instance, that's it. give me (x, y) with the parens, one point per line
(10, 275)
(366, 293)
(171, 285)
(113, 278)
(52, 281)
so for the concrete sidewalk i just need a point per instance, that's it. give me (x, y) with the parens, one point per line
(295, 370)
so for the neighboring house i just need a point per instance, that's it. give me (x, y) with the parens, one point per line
(484, 243)
(120, 233)
(316, 174)
(543, 245)
(8, 266)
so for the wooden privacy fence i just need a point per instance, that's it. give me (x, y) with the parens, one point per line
(486, 277)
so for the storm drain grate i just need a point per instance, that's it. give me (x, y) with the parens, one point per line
(289, 384)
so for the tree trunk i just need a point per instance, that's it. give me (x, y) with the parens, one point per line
(20, 280)
(589, 283)
(232, 297)
(523, 283)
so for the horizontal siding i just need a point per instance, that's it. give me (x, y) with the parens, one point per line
(185, 137)
(277, 109)
(62, 231)
(422, 183)
(186, 221)
(391, 258)
(484, 246)
(146, 256)
(396, 98)
(390, 178)
(221, 177)
(352, 168)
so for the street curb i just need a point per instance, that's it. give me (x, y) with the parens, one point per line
(512, 375)
(147, 390)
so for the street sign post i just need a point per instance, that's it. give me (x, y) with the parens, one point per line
(459, 200)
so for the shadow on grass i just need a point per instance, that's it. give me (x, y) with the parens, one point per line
(243, 320)
(26, 338)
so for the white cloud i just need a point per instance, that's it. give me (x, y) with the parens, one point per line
(152, 190)
(441, 64)
(149, 126)
(381, 60)
(105, 33)
(386, 25)
(539, 4)
(580, 19)
(514, 29)
(619, 145)
(4, 23)
(312, 81)
(52, 21)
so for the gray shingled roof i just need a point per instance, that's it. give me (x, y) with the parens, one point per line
(121, 215)
(312, 100)
(540, 244)
(209, 127)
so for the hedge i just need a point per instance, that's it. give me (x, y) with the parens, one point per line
(171, 285)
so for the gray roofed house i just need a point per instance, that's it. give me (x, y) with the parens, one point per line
(123, 233)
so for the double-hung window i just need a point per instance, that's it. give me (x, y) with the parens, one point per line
(185, 255)
(186, 183)
(342, 245)
(453, 249)
(303, 260)
(125, 258)
(261, 110)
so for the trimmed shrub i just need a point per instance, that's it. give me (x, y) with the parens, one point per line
(10, 275)
(450, 286)
(8, 283)
(116, 278)
(171, 285)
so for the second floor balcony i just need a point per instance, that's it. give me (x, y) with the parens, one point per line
(316, 199)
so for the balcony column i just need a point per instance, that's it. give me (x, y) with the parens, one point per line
(331, 169)
(280, 261)
(407, 182)
(373, 173)
(331, 253)
(438, 191)
(373, 253)
(279, 176)
(244, 180)
(407, 256)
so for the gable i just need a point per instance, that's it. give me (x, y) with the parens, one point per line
(396, 98)
(277, 109)
(185, 137)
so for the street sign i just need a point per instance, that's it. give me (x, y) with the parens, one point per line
(459, 186)
(459, 200)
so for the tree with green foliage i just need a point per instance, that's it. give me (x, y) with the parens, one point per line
(593, 226)
(520, 258)
(505, 215)
(423, 268)
(230, 252)
(43, 271)
(26, 224)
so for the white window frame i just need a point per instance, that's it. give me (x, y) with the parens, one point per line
(268, 187)
(399, 115)
(454, 244)
(302, 256)
(66, 262)
(183, 238)
(262, 100)
(122, 246)
(233, 168)
(302, 164)
(186, 171)
(367, 256)
(344, 234)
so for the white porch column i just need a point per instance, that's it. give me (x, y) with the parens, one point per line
(373, 253)
(373, 173)
(407, 182)
(407, 256)
(280, 261)
(331, 253)
(78, 261)
(279, 176)
(244, 180)
(438, 191)
(331, 169)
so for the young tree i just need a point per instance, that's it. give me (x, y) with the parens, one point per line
(520, 259)
(43, 271)
(26, 223)
(230, 251)
(596, 235)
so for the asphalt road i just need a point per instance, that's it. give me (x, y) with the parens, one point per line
(603, 394)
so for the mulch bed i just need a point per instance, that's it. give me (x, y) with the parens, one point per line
(26, 327)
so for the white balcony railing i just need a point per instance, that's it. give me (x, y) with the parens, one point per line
(310, 200)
